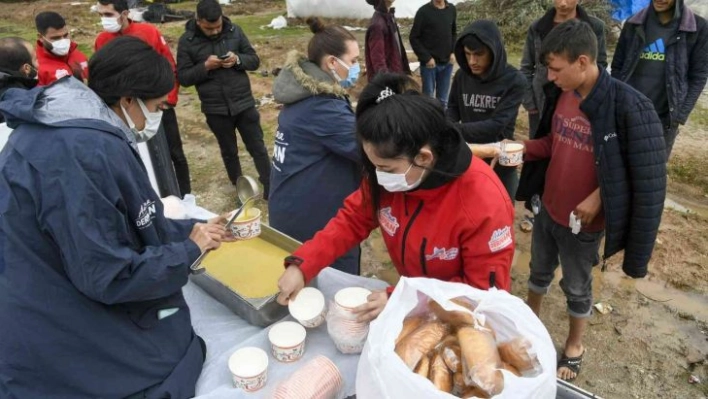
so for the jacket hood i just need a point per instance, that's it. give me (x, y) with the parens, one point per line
(488, 33)
(300, 78)
(450, 165)
(686, 17)
(65, 103)
(14, 79)
(191, 27)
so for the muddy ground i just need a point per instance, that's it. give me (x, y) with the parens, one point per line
(657, 335)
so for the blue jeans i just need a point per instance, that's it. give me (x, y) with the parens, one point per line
(437, 81)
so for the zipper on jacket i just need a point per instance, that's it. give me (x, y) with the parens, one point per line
(405, 232)
(423, 265)
(405, 204)
(602, 198)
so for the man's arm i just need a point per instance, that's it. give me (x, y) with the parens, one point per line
(416, 38)
(528, 68)
(646, 171)
(161, 47)
(697, 75)
(453, 107)
(247, 56)
(492, 129)
(620, 51)
(190, 72)
(377, 50)
(602, 48)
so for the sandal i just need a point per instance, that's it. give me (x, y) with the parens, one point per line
(571, 363)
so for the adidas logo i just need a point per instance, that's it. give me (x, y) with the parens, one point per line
(654, 52)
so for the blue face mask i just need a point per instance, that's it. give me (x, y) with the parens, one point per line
(352, 77)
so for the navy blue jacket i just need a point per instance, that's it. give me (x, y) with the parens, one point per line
(316, 160)
(686, 58)
(91, 272)
(630, 157)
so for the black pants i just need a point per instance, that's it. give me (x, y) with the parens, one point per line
(248, 124)
(670, 133)
(179, 161)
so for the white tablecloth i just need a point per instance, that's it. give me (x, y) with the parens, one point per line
(224, 333)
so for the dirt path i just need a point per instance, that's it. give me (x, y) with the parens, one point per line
(657, 335)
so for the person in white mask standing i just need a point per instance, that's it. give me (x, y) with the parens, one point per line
(443, 213)
(116, 23)
(57, 54)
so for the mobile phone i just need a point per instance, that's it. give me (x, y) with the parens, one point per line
(223, 57)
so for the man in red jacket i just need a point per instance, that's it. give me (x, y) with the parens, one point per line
(115, 22)
(57, 54)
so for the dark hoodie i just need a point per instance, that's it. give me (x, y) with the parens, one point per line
(384, 49)
(486, 106)
(11, 80)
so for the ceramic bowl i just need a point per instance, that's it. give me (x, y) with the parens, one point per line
(249, 368)
(287, 341)
(309, 307)
(247, 225)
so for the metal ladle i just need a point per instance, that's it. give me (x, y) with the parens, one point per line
(248, 192)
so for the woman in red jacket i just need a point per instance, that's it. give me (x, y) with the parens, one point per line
(442, 212)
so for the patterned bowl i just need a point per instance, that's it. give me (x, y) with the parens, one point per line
(249, 368)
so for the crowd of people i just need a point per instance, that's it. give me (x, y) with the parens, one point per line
(91, 271)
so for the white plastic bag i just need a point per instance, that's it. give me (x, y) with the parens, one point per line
(382, 374)
(278, 23)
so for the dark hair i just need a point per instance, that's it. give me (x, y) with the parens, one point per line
(118, 5)
(209, 10)
(328, 40)
(399, 125)
(14, 53)
(473, 43)
(48, 19)
(128, 67)
(571, 39)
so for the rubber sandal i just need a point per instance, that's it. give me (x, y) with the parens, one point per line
(571, 363)
(526, 225)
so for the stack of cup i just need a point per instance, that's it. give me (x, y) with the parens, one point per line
(318, 379)
(348, 334)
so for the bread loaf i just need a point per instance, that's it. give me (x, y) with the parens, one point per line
(420, 342)
(453, 318)
(440, 375)
(409, 325)
(423, 367)
(519, 353)
(480, 359)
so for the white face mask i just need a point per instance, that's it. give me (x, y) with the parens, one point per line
(61, 47)
(396, 182)
(152, 123)
(111, 24)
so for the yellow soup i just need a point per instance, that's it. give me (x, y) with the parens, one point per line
(251, 268)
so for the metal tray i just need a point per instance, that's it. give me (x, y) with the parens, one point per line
(260, 312)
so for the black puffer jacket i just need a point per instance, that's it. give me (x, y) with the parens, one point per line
(686, 58)
(631, 167)
(221, 91)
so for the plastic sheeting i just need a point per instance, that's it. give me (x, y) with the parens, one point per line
(224, 333)
(349, 8)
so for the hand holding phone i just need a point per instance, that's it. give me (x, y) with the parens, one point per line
(223, 57)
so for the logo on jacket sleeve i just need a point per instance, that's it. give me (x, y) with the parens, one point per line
(443, 254)
(387, 221)
(501, 239)
(146, 214)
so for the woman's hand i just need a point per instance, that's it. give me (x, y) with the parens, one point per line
(485, 151)
(377, 301)
(290, 284)
(222, 220)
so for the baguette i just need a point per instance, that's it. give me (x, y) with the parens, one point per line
(410, 324)
(423, 367)
(440, 375)
(519, 353)
(480, 359)
(513, 370)
(417, 344)
(454, 318)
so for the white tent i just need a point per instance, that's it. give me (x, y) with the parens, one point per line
(349, 8)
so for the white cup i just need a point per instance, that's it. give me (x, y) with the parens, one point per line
(512, 154)
(309, 307)
(249, 368)
(287, 341)
(247, 225)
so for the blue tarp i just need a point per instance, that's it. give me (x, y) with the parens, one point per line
(624, 9)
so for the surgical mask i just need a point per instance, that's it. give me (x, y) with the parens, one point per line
(152, 123)
(396, 182)
(352, 76)
(111, 24)
(61, 47)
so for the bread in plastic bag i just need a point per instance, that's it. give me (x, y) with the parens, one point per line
(480, 359)
(421, 341)
(519, 352)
